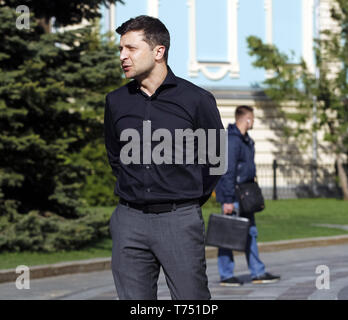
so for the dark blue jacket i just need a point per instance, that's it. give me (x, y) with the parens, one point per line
(241, 164)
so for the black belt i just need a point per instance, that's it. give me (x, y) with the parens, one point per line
(158, 207)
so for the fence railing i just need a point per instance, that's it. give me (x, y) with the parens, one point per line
(285, 181)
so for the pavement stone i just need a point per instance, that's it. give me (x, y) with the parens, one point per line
(297, 268)
(98, 264)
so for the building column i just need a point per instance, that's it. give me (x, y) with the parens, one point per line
(308, 34)
(152, 8)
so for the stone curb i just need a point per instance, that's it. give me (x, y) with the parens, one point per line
(57, 269)
(273, 246)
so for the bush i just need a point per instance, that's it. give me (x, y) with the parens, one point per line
(49, 232)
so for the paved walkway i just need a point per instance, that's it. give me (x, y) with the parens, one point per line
(297, 268)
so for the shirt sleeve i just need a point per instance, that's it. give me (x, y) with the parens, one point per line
(111, 141)
(208, 117)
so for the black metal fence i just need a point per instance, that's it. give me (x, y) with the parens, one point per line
(286, 181)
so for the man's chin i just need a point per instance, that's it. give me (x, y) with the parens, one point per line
(129, 75)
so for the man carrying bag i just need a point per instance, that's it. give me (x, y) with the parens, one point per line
(233, 190)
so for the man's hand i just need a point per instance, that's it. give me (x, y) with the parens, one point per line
(228, 208)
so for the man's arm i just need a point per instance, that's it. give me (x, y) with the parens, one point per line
(111, 143)
(230, 178)
(208, 117)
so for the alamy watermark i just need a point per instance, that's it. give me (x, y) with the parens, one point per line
(23, 280)
(323, 280)
(199, 146)
(23, 20)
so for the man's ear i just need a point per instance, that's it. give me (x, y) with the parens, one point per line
(159, 51)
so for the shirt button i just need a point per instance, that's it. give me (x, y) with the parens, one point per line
(148, 190)
(147, 167)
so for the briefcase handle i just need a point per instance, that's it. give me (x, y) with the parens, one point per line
(235, 211)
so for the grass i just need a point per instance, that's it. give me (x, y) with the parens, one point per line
(282, 220)
(9, 260)
(294, 218)
(291, 219)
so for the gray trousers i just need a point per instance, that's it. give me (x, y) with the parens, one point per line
(143, 242)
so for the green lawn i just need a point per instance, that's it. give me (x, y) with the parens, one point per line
(282, 220)
(9, 260)
(292, 219)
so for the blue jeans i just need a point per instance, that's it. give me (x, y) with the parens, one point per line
(225, 256)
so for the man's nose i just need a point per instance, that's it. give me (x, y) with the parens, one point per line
(123, 55)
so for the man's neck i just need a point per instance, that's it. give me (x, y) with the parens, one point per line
(241, 128)
(154, 79)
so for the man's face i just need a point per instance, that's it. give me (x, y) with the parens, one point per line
(249, 118)
(137, 57)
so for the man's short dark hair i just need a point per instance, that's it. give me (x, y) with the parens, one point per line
(155, 32)
(242, 110)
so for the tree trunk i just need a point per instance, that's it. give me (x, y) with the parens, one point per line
(342, 176)
(45, 23)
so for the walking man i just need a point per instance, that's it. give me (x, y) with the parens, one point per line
(158, 221)
(241, 169)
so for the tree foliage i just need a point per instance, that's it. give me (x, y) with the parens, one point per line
(65, 12)
(52, 93)
(328, 88)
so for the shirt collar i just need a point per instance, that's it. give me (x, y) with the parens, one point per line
(169, 80)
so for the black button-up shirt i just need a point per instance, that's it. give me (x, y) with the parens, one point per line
(176, 104)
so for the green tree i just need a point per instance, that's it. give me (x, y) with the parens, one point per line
(99, 187)
(52, 93)
(324, 94)
(65, 12)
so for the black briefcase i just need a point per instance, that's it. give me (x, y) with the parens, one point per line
(227, 231)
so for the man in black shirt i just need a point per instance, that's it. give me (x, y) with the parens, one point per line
(158, 221)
